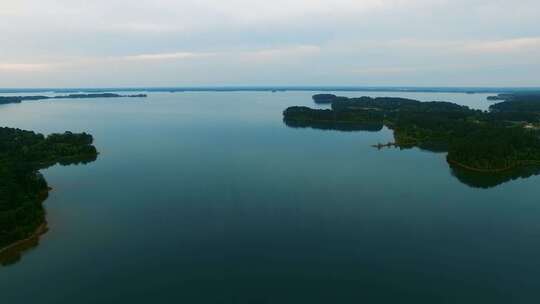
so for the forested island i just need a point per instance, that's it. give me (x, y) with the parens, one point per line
(517, 96)
(327, 98)
(503, 139)
(19, 99)
(23, 188)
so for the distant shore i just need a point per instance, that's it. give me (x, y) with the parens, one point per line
(276, 89)
(19, 99)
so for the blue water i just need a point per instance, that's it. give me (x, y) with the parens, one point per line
(207, 197)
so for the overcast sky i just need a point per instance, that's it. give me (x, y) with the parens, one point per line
(78, 43)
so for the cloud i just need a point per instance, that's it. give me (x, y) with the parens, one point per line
(310, 41)
(165, 56)
(257, 55)
(168, 15)
(507, 46)
(483, 47)
(282, 53)
(385, 71)
(264, 55)
(24, 67)
(141, 27)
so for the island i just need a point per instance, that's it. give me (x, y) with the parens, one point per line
(505, 138)
(517, 96)
(23, 188)
(19, 99)
(326, 98)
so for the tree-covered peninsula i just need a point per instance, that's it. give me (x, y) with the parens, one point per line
(502, 139)
(23, 188)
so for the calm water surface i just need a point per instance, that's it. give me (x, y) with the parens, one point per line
(210, 198)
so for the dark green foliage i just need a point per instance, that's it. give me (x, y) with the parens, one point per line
(19, 99)
(517, 96)
(496, 149)
(487, 180)
(516, 116)
(357, 116)
(97, 95)
(517, 106)
(475, 140)
(357, 120)
(382, 103)
(517, 102)
(327, 98)
(23, 188)
(6, 100)
(398, 104)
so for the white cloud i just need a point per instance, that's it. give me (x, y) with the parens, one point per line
(287, 39)
(517, 45)
(281, 54)
(156, 15)
(24, 67)
(285, 53)
(465, 47)
(165, 56)
(384, 71)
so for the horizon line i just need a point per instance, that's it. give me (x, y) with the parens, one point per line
(277, 88)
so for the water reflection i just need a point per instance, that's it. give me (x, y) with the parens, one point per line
(14, 253)
(23, 192)
(470, 178)
(346, 127)
(490, 180)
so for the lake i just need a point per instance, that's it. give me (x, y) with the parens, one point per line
(208, 197)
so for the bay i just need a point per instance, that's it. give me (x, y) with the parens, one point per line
(208, 197)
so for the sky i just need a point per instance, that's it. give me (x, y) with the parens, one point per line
(106, 43)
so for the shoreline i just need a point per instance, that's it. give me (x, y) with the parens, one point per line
(40, 230)
(12, 252)
(463, 166)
